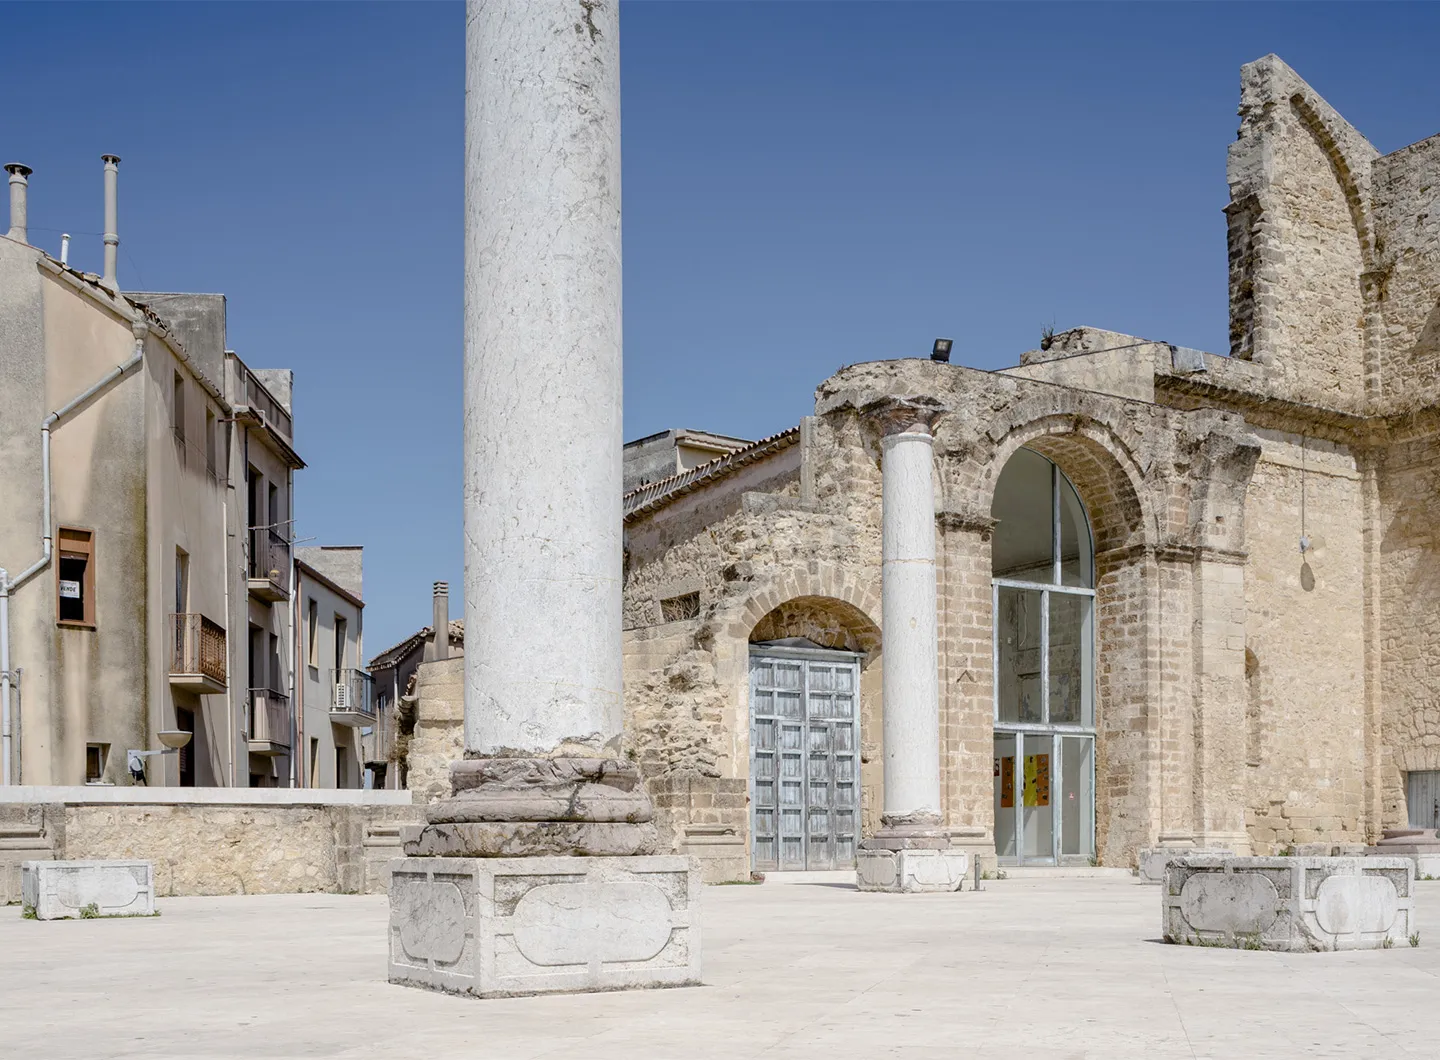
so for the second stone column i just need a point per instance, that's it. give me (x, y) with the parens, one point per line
(911, 852)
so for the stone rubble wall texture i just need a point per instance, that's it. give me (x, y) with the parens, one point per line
(1299, 176)
(1409, 550)
(1303, 628)
(1407, 273)
(217, 849)
(439, 735)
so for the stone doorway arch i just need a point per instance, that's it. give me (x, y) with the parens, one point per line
(814, 762)
(1118, 620)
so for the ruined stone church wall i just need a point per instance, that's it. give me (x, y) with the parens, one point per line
(1407, 240)
(1408, 532)
(702, 573)
(1304, 746)
(1299, 179)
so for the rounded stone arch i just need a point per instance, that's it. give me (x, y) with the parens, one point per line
(1124, 522)
(1100, 466)
(825, 621)
(1344, 172)
(824, 608)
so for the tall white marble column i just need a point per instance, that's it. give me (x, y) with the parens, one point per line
(545, 809)
(911, 850)
(542, 378)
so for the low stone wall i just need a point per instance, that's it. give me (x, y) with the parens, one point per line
(211, 840)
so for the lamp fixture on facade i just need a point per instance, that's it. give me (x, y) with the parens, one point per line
(941, 351)
(173, 739)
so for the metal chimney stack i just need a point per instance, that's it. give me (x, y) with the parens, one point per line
(440, 646)
(19, 185)
(112, 238)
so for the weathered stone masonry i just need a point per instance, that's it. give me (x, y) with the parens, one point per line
(1250, 695)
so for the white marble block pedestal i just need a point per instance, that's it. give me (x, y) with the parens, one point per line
(910, 871)
(1290, 904)
(73, 890)
(507, 927)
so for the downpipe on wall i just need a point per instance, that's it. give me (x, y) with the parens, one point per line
(8, 585)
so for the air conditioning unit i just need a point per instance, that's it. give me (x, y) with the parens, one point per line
(343, 699)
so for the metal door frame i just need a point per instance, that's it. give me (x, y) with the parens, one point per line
(1021, 730)
(802, 655)
(1413, 780)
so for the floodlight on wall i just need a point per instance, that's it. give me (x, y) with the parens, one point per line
(941, 351)
(173, 739)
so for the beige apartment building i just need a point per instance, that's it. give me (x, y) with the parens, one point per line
(336, 703)
(146, 481)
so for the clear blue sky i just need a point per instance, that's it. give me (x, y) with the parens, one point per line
(806, 185)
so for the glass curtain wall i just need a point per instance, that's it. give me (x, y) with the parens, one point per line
(1044, 635)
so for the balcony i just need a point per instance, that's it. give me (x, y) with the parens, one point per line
(197, 654)
(269, 574)
(259, 398)
(351, 699)
(269, 722)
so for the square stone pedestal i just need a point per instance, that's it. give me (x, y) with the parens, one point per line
(1151, 862)
(1293, 904)
(72, 890)
(506, 927)
(910, 871)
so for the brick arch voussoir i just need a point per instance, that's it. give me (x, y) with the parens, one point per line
(1100, 462)
(829, 582)
(1344, 175)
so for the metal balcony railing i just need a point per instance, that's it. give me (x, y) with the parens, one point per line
(197, 650)
(269, 720)
(269, 563)
(352, 696)
(260, 400)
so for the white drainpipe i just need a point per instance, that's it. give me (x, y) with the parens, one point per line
(5, 739)
(8, 585)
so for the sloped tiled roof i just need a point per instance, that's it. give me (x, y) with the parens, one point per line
(392, 655)
(653, 495)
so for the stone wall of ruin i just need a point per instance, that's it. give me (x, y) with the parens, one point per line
(1407, 274)
(1299, 186)
(1304, 745)
(1408, 546)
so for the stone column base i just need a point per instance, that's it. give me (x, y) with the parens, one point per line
(74, 890)
(508, 927)
(910, 871)
(1290, 904)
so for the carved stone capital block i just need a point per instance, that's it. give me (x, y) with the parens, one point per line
(506, 927)
(1290, 903)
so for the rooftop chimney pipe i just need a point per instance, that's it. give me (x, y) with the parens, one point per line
(112, 240)
(18, 186)
(440, 646)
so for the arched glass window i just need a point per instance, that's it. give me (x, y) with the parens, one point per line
(1043, 535)
(1043, 566)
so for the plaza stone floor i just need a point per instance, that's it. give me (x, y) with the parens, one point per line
(1033, 968)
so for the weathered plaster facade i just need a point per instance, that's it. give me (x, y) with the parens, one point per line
(1249, 695)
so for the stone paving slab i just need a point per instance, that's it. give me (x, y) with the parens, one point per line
(1051, 968)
